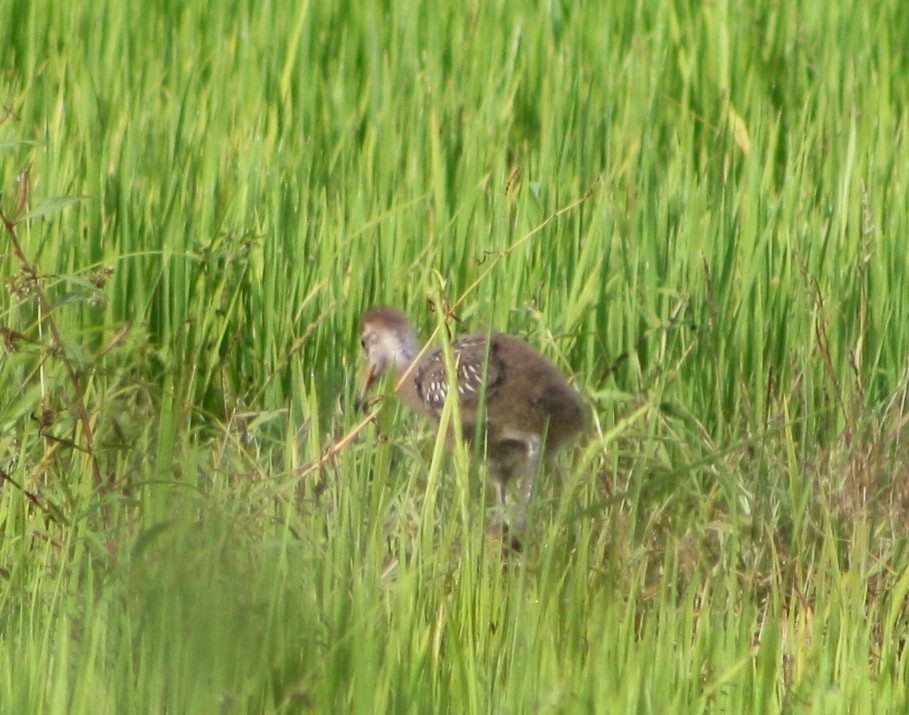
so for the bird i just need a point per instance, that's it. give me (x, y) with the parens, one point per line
(524, 407)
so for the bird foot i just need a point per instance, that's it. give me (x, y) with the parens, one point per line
(510, 534)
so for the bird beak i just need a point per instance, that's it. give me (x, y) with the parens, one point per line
(368, 379)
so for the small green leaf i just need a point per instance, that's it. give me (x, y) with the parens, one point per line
(16, 143)
(57, 203)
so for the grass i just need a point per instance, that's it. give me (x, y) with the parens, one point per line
(697, 210)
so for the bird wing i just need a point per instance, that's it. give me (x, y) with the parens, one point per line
(479, 372)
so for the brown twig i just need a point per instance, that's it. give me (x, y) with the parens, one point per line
(31, 496)
(34, 279)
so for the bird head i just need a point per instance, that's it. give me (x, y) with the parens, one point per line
(388, 341)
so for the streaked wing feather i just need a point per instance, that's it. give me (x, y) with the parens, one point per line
(471, 357)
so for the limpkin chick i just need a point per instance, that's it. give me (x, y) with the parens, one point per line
(526, 408)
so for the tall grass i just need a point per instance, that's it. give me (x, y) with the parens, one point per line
(698, 210)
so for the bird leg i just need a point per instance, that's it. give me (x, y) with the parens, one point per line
(531, 467)
(516, 450)
(513, 452)
(528, 480)
(498, 477)
(501, 496)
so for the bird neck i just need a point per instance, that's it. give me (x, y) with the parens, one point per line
(404, 359)
(406, 352)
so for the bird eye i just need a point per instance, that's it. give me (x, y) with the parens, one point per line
(363, 343)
